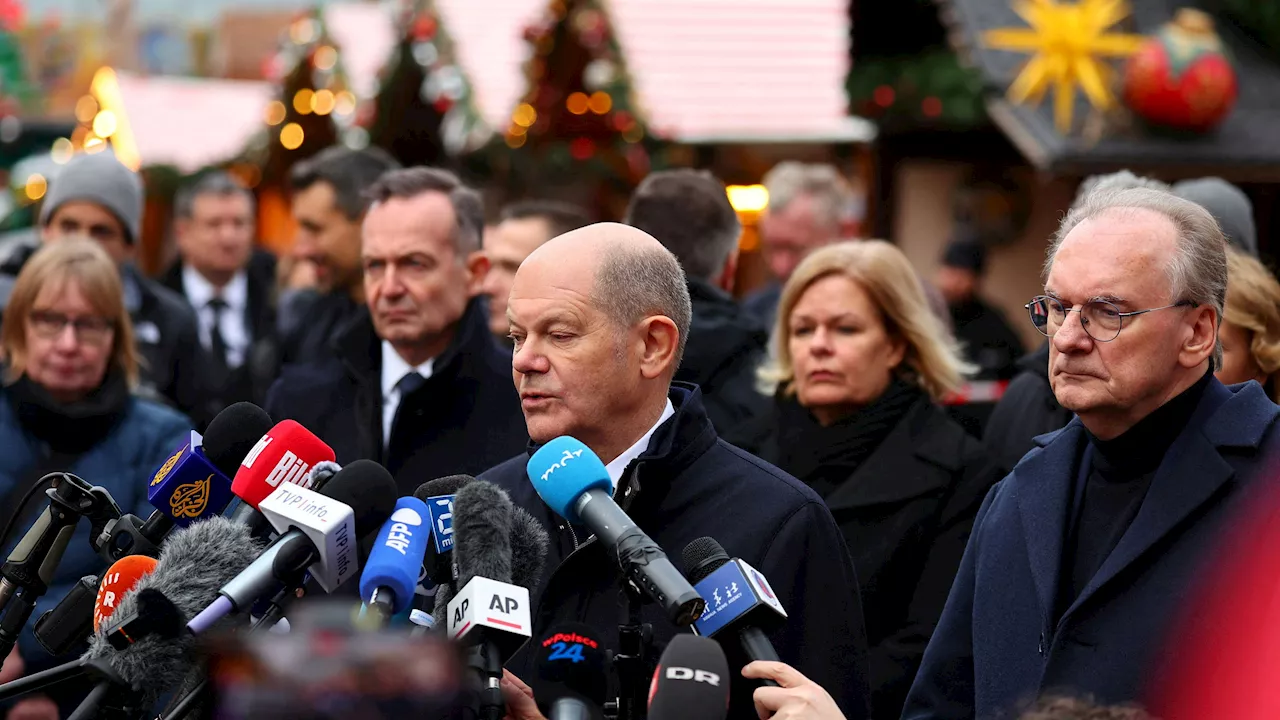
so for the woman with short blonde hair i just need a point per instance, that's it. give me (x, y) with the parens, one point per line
(860, 363)
(66, 402)
(85, 264)
(1250, 331)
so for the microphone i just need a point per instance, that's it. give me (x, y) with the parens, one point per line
(741, 602)
(573, 482)
(319, 532)
(529, 543)
(692, 681)
(571, 681)
(193, 484)
(439, 495)
(284, 454)
(116, 581)
(488, 615)
(391, 573)
(193, 564)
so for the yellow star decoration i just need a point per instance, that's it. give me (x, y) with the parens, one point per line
(1066, 42)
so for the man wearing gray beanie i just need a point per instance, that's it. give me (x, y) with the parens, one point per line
(96, 196)
(1228, 205)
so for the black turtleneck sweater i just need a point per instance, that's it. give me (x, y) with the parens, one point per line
(1119, 475)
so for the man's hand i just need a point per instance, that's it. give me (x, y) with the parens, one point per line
(519, 698)
(13, 667)
(796, 697)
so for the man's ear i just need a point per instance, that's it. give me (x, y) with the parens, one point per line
(661, 341)
(1202, 337)
(477, 268)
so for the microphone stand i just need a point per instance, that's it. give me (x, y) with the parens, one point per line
(27, 570)
(110, 699)
(634, 635)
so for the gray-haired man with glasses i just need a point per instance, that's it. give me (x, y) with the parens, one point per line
(1079, 559)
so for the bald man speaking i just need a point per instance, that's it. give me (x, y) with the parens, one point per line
(599, 317)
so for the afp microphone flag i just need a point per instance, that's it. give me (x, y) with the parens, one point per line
(188, 487)
(396, 559)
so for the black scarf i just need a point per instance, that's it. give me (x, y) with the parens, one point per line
(825, 457)
(69, 428)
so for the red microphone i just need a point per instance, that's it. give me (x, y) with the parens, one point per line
(285, 454)
(118, 580)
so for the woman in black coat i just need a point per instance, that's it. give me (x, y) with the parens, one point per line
(860, 363)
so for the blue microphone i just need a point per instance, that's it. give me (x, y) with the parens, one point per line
(188, 487)
(740, 604)
(573, 482)
(391, 574)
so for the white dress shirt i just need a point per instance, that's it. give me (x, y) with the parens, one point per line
(394, 368)
(234, 320)
(620, 463)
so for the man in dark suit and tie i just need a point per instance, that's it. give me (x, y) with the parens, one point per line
(231, 286)
(1080, 558)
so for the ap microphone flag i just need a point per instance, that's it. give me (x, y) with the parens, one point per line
(396, 559)
(285, 454)
(188, 487)
(118, 580)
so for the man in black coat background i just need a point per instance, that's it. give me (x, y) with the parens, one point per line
(689, 213)
(415, 382)
(1080, 559)
(231, 286)
(599, 318)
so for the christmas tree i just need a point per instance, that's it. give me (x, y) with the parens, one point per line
(423, 113)
(16, 92)
(313, 101)
(579, 115)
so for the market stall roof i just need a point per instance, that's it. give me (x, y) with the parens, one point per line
(190, 123)
(366, 36)
(703, 70)
(1246, 147)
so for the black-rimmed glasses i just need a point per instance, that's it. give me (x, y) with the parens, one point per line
(1101, 320)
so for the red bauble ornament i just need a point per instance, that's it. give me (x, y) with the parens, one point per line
(1181, 78)
(424, 28)
(443, 104)
(582, 148)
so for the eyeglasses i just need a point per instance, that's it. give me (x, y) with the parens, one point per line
(1101, 320)
(49, 324)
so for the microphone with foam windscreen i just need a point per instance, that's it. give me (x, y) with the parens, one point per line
(395, 563)
(740, 604)
(319, 532)
(488, 616)
(571, 675)
(691, 682)
(573, 482)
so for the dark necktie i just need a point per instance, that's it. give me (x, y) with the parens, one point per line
(217, 345)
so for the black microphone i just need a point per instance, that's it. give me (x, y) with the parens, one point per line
(26, 573)
(489, 616)
(739, 600)
(571, 673)
(691, 682)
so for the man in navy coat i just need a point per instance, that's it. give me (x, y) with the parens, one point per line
(1080, 559)
(599, 318)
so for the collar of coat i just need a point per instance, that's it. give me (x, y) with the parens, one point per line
(1194, 473)
(358, 346)
(674, 446)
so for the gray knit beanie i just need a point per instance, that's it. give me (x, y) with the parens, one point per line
(99, 178)
(1228, 205)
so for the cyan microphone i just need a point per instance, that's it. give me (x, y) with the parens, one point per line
(395, 563)
(573, 482)
(691, 682)
(740, 603)
(571, 675)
